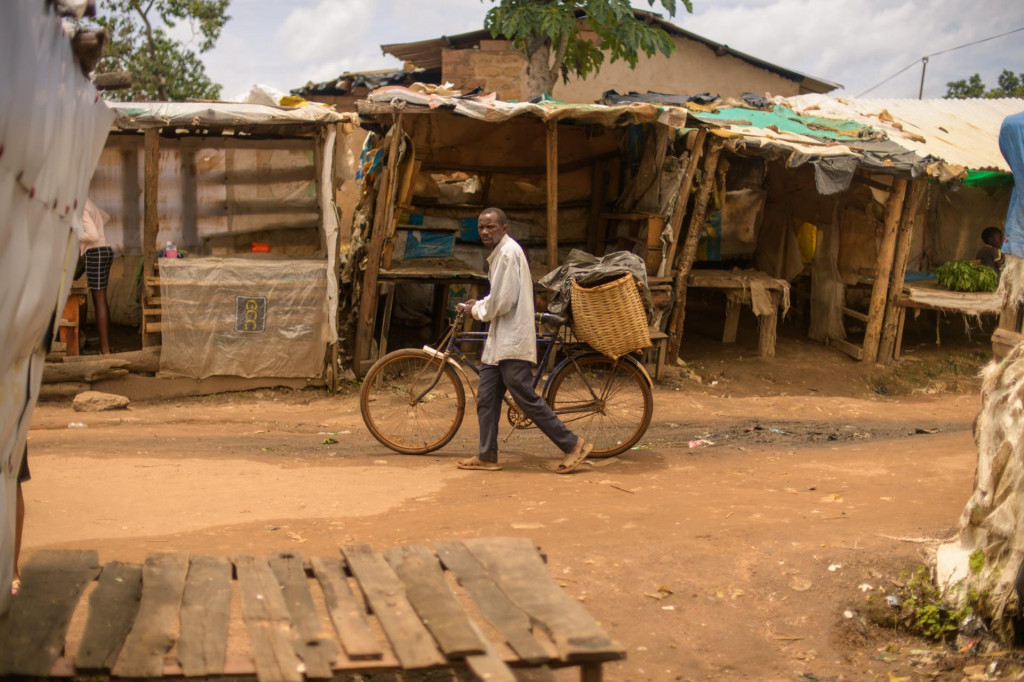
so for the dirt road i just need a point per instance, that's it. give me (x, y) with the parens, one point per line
(731, 561)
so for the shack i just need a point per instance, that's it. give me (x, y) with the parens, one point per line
(864, 199)
(593, 177)
(247, 194)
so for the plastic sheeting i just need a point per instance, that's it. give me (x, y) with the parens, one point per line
(52, 129)
(589, 271)
(142, 115)
(1011, 143)
(244, 317)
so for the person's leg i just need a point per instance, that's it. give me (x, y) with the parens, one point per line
(518, 377)
(488, 411)
(99, 301)
(19, 525)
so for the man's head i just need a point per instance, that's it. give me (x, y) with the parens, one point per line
(492, 225)
(992, 236)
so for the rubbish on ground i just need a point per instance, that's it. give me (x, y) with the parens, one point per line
(76, 425)
(924, 430)
(699, 443)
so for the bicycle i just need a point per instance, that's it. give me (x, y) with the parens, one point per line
(413, 400)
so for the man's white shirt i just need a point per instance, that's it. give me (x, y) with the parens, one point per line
(509, 306)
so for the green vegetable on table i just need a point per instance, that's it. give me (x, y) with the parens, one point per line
(962, 275)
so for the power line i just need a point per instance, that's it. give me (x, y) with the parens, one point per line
(924, 59)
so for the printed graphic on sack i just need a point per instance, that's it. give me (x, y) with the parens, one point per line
(251, 314)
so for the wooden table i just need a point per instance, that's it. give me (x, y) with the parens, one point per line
(929, 295)
(736, 286)
(266, 617)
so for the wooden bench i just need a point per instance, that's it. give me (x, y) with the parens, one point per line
(737, 288)
(266, 617)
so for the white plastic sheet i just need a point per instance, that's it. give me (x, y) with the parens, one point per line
(52, 129)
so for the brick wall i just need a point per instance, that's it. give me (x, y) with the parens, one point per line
(496, 67)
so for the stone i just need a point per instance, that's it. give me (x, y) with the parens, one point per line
(97, 401)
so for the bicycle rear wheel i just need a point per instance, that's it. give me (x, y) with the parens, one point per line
(394, 415)
(609, 403)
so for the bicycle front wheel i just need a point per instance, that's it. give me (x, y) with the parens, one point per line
(609, 403)
(411, 403)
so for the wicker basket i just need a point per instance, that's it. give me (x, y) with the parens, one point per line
(610, 317)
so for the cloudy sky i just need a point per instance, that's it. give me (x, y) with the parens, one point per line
(857, 43)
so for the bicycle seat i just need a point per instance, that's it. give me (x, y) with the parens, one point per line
(551, 319)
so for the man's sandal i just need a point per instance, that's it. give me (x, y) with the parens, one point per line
(477, 464)
(574, 458)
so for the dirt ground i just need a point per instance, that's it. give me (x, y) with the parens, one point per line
(735, 560)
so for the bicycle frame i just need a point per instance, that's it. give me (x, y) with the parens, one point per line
(550, 340)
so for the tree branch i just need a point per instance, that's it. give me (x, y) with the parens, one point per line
(161, 82)
(556, 65)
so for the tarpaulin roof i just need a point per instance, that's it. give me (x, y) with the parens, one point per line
(142, 115)
(488, 108)
(961, 132)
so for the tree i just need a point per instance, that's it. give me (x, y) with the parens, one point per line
(549, 34)
(162, 68)
(1010, 85)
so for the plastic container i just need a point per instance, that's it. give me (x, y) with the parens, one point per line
(170, 251)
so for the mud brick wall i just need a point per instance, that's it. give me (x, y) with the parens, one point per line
(496, 67)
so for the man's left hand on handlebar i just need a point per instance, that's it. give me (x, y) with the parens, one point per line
(466, 306)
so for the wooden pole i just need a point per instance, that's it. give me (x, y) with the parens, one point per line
(150, 219)
(689, 252)
(886, 251)
(899, 271)
(683, 198)
(389, 210)
(368, 296)
(552, 172)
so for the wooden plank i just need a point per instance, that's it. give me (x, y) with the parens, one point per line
(689, 252)
(488, 665)
(152, 635)
(267, 620)
(1004, 341)
(855, 352)
(33, 634)
(205, 616)
(385, 593)
(367, 314)
(515, 565)
(552, 176)
(880, 287)
(682, 199)
(733, 304)
(434, 601)
(511, 621)
(857, 315)
(351, 625)
(904, 237)
(313, 644)
(112, 609)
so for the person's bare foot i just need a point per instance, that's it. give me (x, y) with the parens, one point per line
(477, 464)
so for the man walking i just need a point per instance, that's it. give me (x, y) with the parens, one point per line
(511, 350)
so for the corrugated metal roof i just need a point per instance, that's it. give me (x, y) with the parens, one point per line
(426, 54)
(963, 132)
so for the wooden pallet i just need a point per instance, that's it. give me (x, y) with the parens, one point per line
(483, 604)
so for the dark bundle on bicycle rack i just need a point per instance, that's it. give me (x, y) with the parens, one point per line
(610, 317)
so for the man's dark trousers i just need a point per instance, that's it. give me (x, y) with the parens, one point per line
(515, 376)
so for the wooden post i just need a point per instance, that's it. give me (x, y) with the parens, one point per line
(552, 170)
(598, 187)
(689, 252)
(390, 209)
(899, 271)
(886, 251)
(368, 296)
(682, 199)
(150, 221)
